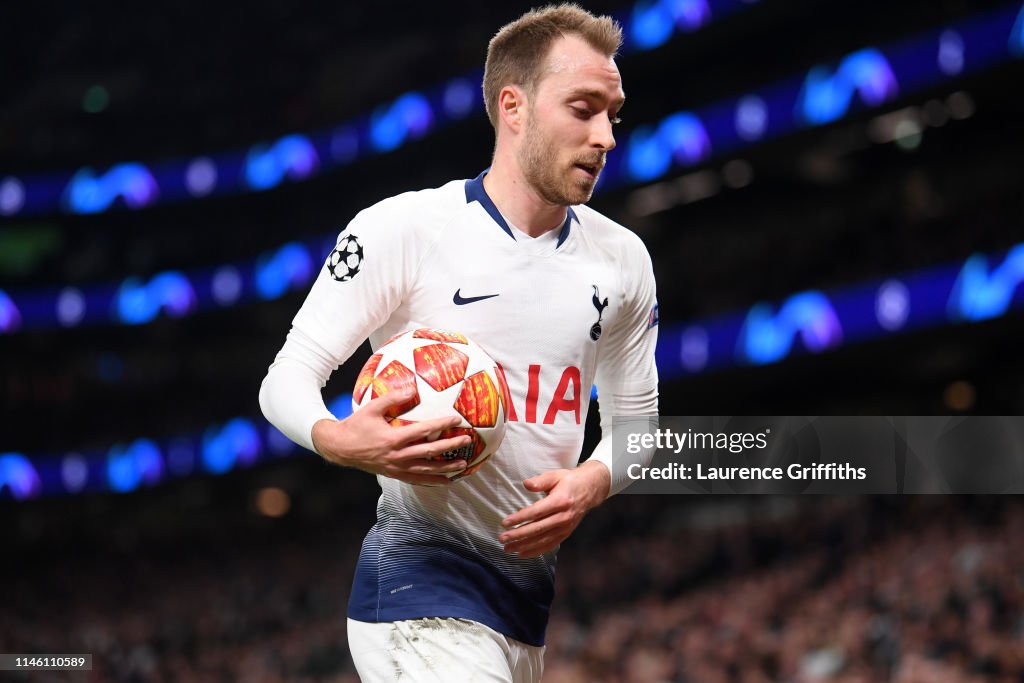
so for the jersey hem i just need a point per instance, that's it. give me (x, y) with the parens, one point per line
(444, 611)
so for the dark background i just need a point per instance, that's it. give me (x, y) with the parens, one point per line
(193, 581)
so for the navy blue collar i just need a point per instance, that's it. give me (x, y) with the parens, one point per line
(475, 192)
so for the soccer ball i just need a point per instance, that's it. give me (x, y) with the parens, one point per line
(451, 376)
(344, 261)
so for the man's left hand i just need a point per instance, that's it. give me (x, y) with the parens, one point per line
(570, 494)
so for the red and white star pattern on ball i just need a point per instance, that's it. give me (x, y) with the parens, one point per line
(451, 375)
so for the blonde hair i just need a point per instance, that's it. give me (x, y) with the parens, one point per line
(517, 53)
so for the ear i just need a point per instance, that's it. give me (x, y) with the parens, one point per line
(512, 107)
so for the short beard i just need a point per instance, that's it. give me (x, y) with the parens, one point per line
(543, 175)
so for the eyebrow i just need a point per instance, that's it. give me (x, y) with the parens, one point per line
(597, 95)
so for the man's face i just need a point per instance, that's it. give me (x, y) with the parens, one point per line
(568, 128)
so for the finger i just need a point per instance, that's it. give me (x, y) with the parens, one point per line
(544, 481)
(432, 449)
(539, 546)
(421, 431)
(531, 513)
(385, 402)
(533, 529)
(433, 466)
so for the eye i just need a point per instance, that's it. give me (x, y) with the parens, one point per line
(615, 120)
(581, 112)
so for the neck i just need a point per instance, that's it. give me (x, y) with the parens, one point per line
(518, 200)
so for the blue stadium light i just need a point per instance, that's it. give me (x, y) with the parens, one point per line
(220, 448)
(646, 158)
(892, 305)
(89, 193)
(406, 118)
(74, 472)
(138, 302)
(459, 96)
(290, 267)
(966, 291)
(70, 306)
(751, 118)
(226, 285)
(951, 53)
(867, 78)
(138, 463)
(298, 159)
(768, 337)
(135, 301)
(826, 96)
(1016, 43)
(236, 444)
(386, 130)
(651, 25)
(650, 151)
(341, 407)
(261, 168)
(687, 138)
(12, 196)
(174, 292)
(292, 157)
(18, 476)
(653, 22)
(691, 15)
(201, 176)
(980, 294)
(693, 349)
(10, 316)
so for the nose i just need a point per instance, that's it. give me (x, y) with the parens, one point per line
(601, 136)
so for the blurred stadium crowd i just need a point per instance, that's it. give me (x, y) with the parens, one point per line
(853, 593)
(652, 590)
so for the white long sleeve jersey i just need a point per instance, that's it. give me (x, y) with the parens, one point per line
(557, 314)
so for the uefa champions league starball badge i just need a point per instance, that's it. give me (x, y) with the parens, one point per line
(344, 262)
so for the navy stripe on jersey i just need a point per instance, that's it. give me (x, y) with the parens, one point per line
(475, 192)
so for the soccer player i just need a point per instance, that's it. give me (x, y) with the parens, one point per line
(454, 582)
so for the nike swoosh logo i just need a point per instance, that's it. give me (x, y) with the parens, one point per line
(460, 300)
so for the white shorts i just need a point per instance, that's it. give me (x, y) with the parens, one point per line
(440, 650)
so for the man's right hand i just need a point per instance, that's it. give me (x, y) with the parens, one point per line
(366, 441)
